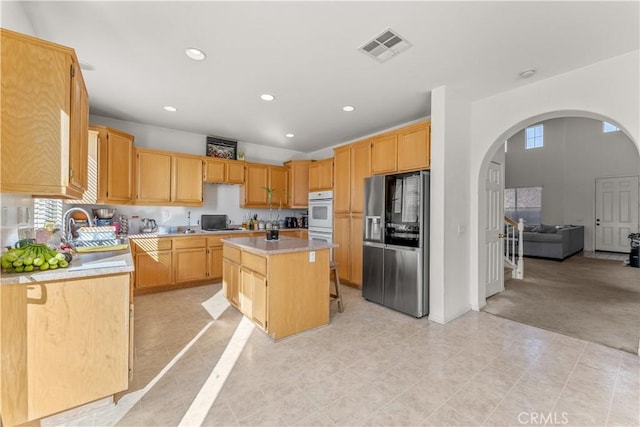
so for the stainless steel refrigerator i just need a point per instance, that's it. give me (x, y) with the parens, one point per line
(395, 264)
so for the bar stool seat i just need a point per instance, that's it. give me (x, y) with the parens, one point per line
(337, 296)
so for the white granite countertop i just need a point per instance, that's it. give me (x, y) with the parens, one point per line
(260, 245)
(82, 265)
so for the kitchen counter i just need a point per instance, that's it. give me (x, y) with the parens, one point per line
(82, 265)
(199, 232)
(261, 246)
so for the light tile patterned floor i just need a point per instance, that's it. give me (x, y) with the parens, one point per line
(372, 366)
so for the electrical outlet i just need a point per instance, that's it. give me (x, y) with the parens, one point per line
(312, 256)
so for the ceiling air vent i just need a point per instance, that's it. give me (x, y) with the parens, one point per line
(385, 46)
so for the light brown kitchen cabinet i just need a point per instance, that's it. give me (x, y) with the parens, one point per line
(298, 196)
(166, 178)
(186, 180)
(347, 233)
(153, 262)
(223, 171)
(153, 177)
(115, 166)
(214, 245)
(384, 153)
(257, 177)
(321, 175)
(342, 179)
(231, 275)
(360, 169)
(190, 259)
(45, 110)
(65, 343)
(414, 147)
(253, 296)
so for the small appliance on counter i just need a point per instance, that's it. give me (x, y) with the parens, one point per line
(149, 225)
(103, 216)
(215, 223)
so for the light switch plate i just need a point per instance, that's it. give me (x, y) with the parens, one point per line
(312, 256)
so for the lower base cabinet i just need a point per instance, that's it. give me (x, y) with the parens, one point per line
(64, 344)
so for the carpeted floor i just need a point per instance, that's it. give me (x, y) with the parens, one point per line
(591, 299)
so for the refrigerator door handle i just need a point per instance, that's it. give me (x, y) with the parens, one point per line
(402, 248)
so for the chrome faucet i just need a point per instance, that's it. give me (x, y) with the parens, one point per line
(67, 222)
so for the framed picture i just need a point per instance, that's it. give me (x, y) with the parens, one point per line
(221, 148)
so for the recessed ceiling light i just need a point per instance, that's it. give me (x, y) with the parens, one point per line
(170, 108)
(527, 73)
(267, 97)
(289, 135)
(195, 54)
(348, 108)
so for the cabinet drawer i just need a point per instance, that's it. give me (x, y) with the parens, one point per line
(189, 242)
(215, 240)
(152, 244)
(255, 263)
(231, 253)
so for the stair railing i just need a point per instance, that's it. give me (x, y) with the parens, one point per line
(513, 246)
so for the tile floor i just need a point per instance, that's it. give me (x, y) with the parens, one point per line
(373, 366)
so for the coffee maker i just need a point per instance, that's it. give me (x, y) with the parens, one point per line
(290, 222)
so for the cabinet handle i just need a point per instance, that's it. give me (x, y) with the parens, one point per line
(71, 173)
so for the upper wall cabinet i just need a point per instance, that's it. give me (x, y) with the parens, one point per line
(45, 117)
(414, 147)
(223, 171)
(321, 175)
(257, 177)
(165, 178)
(298, 194)
(403, 150)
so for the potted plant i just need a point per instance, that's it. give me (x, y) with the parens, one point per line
(272, 231)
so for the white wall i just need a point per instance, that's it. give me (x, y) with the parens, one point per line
(575, 153)
(449, 220)
(606, 90)
(12, 17)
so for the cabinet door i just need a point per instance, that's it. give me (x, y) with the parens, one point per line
(77, 343)
(253, 297)
(119, 170)
(153, 170)
(231, 282)
(298, 183)
(355, 252)
(384, 154)
(36, 97)
(278, 183)
(235, 172)
(186, 180)
(256, 178)
(215, 263)
(360, 169)
(215, 171)
(153, 269)
(342, 179)
(414, 148)
(78, 136)
(325, 176)
(190, 265)
(341, 236)
(314, 177)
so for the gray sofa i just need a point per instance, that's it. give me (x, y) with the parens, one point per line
(548, 241)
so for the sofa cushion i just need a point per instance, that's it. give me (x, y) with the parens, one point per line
(541, 237)
(549, 229)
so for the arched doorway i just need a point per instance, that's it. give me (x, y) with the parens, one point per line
(482, 181)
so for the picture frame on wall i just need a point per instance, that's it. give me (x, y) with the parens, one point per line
(222, 148)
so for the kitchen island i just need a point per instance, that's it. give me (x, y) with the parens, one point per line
(65, 335)
(281, 285)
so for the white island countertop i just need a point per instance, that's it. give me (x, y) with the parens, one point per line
(83, 265)
(261, 246)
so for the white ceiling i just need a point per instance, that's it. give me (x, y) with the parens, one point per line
(306, 54)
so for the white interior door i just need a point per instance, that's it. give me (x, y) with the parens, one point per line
(494, 270)
(616, 212)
